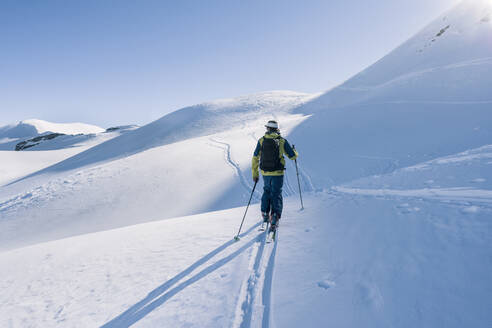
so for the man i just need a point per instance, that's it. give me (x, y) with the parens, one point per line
(269, 155)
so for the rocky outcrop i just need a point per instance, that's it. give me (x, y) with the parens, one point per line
(36, 141)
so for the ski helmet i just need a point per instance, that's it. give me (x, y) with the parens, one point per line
(273, 125)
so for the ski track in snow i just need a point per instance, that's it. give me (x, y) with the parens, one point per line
(458, 196)
(407, 76)
(56, 189)
(255, 297)
(254, 301)
(289, 190)
(163, 293)
(228, 157)
(306, 178)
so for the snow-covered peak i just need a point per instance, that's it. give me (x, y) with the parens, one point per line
(450, 60)
(460, 36)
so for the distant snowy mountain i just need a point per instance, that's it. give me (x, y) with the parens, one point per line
(10, 135)
(33, 127)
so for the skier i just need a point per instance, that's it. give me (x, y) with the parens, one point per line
(269, 156)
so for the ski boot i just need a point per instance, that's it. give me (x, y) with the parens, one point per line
(266, 219)
(274, 222)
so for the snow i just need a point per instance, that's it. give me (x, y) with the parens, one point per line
(189, 271)
(15, 165)
(151, 185)
(136, 228)
(65, 128)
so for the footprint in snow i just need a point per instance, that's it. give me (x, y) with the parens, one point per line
(28, 195)
(471, 209)
(326, 283)
(368, 295)
(406, 208)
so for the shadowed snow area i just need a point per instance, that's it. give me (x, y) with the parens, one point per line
(395, 167)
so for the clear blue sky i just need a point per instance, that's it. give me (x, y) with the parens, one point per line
(117, 62)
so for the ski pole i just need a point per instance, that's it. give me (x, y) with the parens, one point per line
(298, 182)
(249, 202)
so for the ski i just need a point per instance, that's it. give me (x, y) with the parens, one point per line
(271, 236)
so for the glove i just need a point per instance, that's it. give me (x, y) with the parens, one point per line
(255, 179)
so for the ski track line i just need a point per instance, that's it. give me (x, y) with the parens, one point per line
(161, 294)
(257, 291)
(419, 73)
(289, 189)
(267, 286)
(455, 195)
(227, 148)
(306, 177)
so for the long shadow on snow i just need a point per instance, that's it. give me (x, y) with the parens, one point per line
(267, 288)
(248, 304)
(157, 297)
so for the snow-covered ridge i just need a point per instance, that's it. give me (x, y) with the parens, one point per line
(65, 128)
(191, 122)
(33, 127)
(276, 99)
(448, 60)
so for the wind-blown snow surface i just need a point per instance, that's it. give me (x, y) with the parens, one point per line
(396, 230)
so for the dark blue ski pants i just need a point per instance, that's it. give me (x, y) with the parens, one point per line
(272, 194)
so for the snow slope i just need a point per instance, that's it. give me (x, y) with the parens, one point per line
(449, 61)
(396, 230)
(190, 122)
(110, 185)
(346, 261)
(409, 107)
